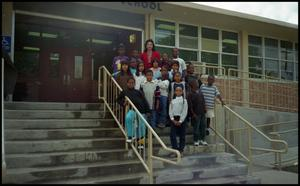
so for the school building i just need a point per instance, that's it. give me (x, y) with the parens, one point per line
(57, 47)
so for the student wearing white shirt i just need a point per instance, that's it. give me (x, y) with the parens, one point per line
(178, 109)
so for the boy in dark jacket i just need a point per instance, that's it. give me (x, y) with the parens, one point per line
(141, 104)
(197, 112)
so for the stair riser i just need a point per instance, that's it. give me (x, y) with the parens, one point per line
(44, 135)
(57, 124)
(59, 160)
(61, 146)
(28, 114)
(53, 106)
(35, 177)
(189, 139)
(201, 174)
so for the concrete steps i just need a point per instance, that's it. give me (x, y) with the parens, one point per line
(79, 143)
(52, 114)
(58, 123)
(44, 134)
(79, 170)
(52, 106)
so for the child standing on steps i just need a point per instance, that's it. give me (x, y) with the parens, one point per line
(131, 117)
(197, 112)
(178, 109)
(150, 89)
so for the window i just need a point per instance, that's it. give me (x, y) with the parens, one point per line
(229, 61)
(188, 55)
(78, 67)
(164, 33)
(188, 36)
(54, 65)
(210, 39)
(165, 50)
(286, 49)
(287, 60)
(230, 47)
(211, 58)
(27, 61)
(271, 48)
(255, 46)
(271, 68)
(229, 42)
(255, 66)
(296, 61)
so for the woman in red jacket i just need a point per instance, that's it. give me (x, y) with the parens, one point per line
(149, 54)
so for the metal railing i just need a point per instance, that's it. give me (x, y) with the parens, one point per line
(249, 89)
(278, 163)
(245, 149)
(2, 121)
(261, 91)
(110, 91)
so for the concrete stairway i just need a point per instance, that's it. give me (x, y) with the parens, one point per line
(79, 143)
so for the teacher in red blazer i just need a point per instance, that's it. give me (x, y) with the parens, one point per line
(149, 54)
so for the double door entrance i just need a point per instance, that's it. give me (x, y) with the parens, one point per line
(65, 75)
(58, 60)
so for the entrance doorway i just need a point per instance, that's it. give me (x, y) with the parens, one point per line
(58, 60)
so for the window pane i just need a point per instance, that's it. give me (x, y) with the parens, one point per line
(255, 65)
(210, 39)
(211, 58)
(188, 30)
(287, 69)
(27, 63)
(286, 49)
(187, 55)
(296, 68)
(188, 36)
(229, 61)
(78, 67)
(162, 50)
(271, 67)
(271, 48)
(54, 65)
(164, 33)
(188, 42)
(255, 46)
(230, 42)
(296, 52)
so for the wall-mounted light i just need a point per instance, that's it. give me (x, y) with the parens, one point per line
(34, 34)
(100, 41)
(31, 48)
(132, 38)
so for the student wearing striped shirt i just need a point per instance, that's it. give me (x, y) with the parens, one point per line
(210, 92)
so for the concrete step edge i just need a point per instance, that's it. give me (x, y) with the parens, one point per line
(73, 166)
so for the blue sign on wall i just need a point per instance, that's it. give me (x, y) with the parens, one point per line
(6, 43)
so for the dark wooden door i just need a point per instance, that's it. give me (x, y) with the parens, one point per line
(65, 75)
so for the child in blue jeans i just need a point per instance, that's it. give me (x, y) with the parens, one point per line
(132, 120)
(163, 84)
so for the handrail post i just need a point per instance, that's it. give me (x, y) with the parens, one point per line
(249, 151)
(2, 123)
(150, 152)
(105, 88)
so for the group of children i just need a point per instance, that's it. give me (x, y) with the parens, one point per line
(167, 94)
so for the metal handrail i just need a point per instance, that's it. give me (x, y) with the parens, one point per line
(149, 167)
(264, 125)
(2, 121)
(261, 133)
(283, 132)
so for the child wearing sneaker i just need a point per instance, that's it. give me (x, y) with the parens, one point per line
(197, 111)
(131, 118)
(178, 109)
